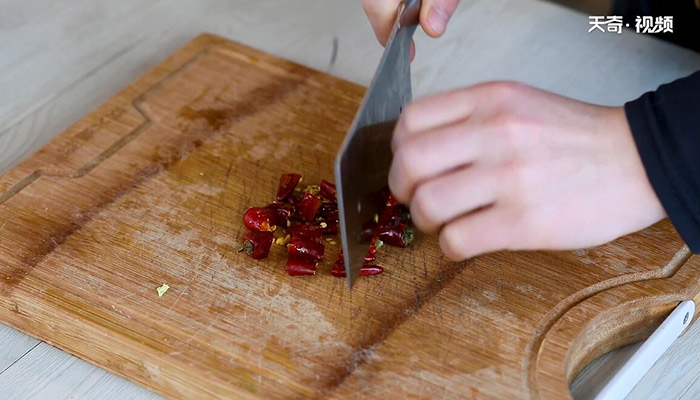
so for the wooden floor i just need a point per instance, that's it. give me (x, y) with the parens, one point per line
(61, 59)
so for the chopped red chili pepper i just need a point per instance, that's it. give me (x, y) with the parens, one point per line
(328, 190)
(394, 214)
(367, 270)
(400, 235)
(300, 264)
(305, 249)
(314, 213)
(375, 245)
(259, 219)
(370, 257)
(306, 232)
(329, 228)
(312, 249)
(328, 211)
(338, 270)
(282, 211)
(309, 207)
(257, 244)
(379, 198)
(288, 182)
(391, 215)
(368, 229)
(292, 199)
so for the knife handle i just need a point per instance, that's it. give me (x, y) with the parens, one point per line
(632, 371)
(409, 13)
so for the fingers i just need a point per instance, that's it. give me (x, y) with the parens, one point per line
(431, 154)
(381, 14)
(438, 134)
(484, 231)
(436, 111)
(434, 15)
(447, 197)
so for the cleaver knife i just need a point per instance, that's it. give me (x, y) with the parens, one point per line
(362, 164)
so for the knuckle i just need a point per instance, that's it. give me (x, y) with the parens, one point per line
(510, 128)
(505, 121)
(507, 89)
(409, 115)
(506, 94)
(405, 125)
(517, 177)
(406, 160)
(399, 132)
(423, 208)
(451, 243)
(403, 172)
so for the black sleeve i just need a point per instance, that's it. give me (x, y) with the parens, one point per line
(666, 127)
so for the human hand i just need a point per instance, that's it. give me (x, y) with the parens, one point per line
(434, 15)
(505, 166)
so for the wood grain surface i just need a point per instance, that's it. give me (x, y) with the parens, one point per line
(150, 187)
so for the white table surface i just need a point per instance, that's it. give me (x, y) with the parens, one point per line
(60, 59)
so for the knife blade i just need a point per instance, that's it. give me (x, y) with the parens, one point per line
(362, 164)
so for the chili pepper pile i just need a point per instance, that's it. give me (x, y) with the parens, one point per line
(304, 217)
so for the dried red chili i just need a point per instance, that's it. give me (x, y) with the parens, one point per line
(375, 245)
(380, 197)
(393, 215)
(259, 219)
(400, 235)
(368, 229)
(338, 270)
(329, 228)
(368, 270)
(369, 257)
(314, 213)
(328, 211)
(327, 190)
(257, 244)
(300, 264)
(292, 199)
(312, 249)
(306, 249)
(308, 207)
(282, 211)
(306, 232)
(288, 182)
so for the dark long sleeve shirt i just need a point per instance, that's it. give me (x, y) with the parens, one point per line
(666, 123)
(666, 127)
(685, 13)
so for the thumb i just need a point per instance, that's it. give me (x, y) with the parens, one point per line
(434, 15)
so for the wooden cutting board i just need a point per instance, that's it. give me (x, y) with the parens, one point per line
(150, 187)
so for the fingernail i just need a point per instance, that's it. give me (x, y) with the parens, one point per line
(437, 20)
